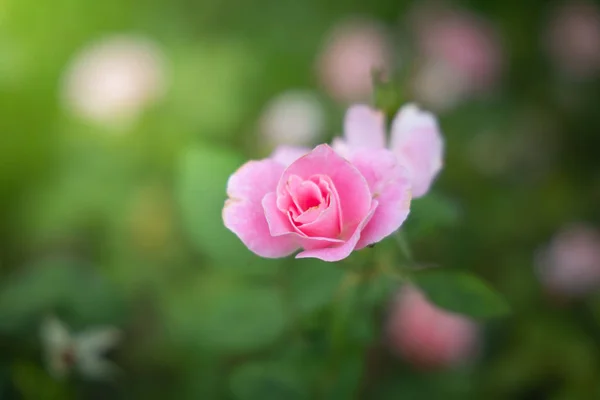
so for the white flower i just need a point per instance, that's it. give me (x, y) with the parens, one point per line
(110, 82)
(294, 118)
(83, 352)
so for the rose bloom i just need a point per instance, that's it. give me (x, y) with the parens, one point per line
(352, 51)
(111, 81)
(294, 118)
(427, 336)
(573, 38)
(320, 203)
(415, 140)
(570, 264)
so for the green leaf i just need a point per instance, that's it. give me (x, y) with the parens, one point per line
(313, 284)
(57, 285)
(267, 381)
(461, 293)
(224, 314)
(345, 381)
(201, 193)
(430, 213)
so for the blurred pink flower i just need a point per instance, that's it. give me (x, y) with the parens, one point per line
(352, 50)
(461, 55)
(294, 118)
(415, 140)
(320, 203)
(113, 80)
(573, 38)
(570, 264)
(427, 336)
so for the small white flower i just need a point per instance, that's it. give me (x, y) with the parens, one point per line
(83, 352)
(294, 118)
(110, 82)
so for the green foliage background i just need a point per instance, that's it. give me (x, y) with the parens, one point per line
(125, 229)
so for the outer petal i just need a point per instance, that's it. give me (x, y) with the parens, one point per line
(338, 253)
(288, 154)
(364, 128)
(417, 141)
(243, 212)
(353, 190)
(390, 184)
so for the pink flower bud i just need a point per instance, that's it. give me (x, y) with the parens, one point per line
(427, 336)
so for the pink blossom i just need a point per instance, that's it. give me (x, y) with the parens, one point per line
(461, 55)
(573, 38)
(427, 336)
(351, 52)
(320, 203)
(570, 264)
(415, 140)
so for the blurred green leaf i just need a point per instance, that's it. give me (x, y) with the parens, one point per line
(461, 293)
(267, 381)
(225, 315)
(345, 381)
(57, 285)
(429, 213)
(313, 284)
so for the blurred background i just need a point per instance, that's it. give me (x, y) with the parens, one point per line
(121, 120)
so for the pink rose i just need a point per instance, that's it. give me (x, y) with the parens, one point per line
(427, 336)
(415, 140)
(320, 203)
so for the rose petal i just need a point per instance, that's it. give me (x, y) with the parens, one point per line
(281, 225)
(243, 213)
(286, 155)
(364, 128)
(332, 254)
(417, 141)
(354, 194)
(390, 184)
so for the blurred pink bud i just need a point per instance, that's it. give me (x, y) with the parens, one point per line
(113, 80)
(573, 38)
(293, 118)
(570, 264)
(352, 51)
(427, 336)
(461, 53)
